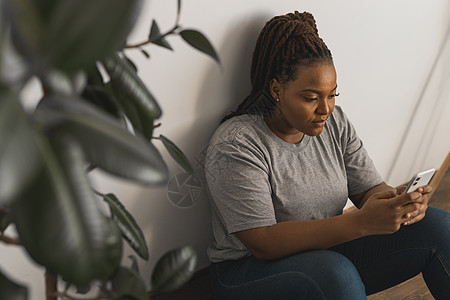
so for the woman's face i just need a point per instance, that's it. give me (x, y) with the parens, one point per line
(305, 103)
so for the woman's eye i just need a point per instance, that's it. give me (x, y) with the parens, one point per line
(311, 99)
(333, 96)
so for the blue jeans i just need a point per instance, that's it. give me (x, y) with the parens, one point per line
(348, 271)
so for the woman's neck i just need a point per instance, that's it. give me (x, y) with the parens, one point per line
(282, 130)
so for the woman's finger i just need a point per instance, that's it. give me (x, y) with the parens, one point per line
(427, 189)
(401, 189)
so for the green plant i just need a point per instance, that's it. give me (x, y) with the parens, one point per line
(96, 113)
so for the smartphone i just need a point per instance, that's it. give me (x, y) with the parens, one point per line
(420, 179)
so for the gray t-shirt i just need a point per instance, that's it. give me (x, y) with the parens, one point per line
(255, 179)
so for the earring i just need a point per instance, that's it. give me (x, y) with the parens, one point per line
(278, 100)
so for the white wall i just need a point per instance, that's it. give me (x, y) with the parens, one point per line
(383, 50)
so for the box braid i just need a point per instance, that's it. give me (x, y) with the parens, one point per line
(285, 44)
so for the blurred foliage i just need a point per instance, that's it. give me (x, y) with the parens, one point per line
(96, 112)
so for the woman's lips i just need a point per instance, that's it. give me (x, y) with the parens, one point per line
(320, 123)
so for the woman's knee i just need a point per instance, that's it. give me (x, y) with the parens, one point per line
(337, 269)
(434, 229)
(335, 275)
(320, 274)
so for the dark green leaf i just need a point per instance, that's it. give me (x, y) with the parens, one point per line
(127, 284)
(124, 78)
(147, 124)
(174, 269)
(15, 70)
(128, 226)
(177, 155)
(3, 35)
(197, 40)
(83, 289)
(146, 54)
(141, 122)
(59, 220)
(5, 220)
(105, 101)
(19, 157)
(129, 108)
(94, 76)
(134, 263)
(131, 63)
(59, 82)
(156, 38)
(68, 34)
(107, 145)
(27, 25)
(11, 290)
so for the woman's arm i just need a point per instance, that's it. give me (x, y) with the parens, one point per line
(361, 198)
(382, 213)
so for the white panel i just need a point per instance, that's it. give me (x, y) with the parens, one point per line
(426, 140)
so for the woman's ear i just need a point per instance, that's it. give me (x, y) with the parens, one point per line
(274, 89)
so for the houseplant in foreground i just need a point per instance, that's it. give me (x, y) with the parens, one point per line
(95, 113)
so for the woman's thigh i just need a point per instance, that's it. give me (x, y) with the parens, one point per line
(386, 260)
(319, 274)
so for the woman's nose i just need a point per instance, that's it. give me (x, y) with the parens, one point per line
(323, 107)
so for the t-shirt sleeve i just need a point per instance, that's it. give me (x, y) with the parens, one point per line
(239, 187)
(362, 174)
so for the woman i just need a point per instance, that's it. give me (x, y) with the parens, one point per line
(279, 172)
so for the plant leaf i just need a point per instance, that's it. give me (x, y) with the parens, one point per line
(197, 40)
(5, 220)
(94, 76)
(79, 30)
(104, 101)
(60, 82)
(145, 53)
(156, 38)
(127, 284)
(19, 157)
(134, 263)
(130, 62)
(174, 269)
(130, 110)
(59, 221)
(106, 144)
(127, 225)
(177, 155)
(124, 78)
(147, 124)
(11, 290)
(15, 70)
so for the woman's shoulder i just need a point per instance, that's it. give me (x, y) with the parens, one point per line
(237, 129)
(339, 120)
(338, 115)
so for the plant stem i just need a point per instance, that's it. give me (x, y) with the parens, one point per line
(98, 193)
(155, 39)
(9, 240)
(51, 285)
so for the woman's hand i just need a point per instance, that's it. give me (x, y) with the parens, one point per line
(385, 212)
(414, 217)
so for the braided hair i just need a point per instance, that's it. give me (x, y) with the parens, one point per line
(285, 44)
